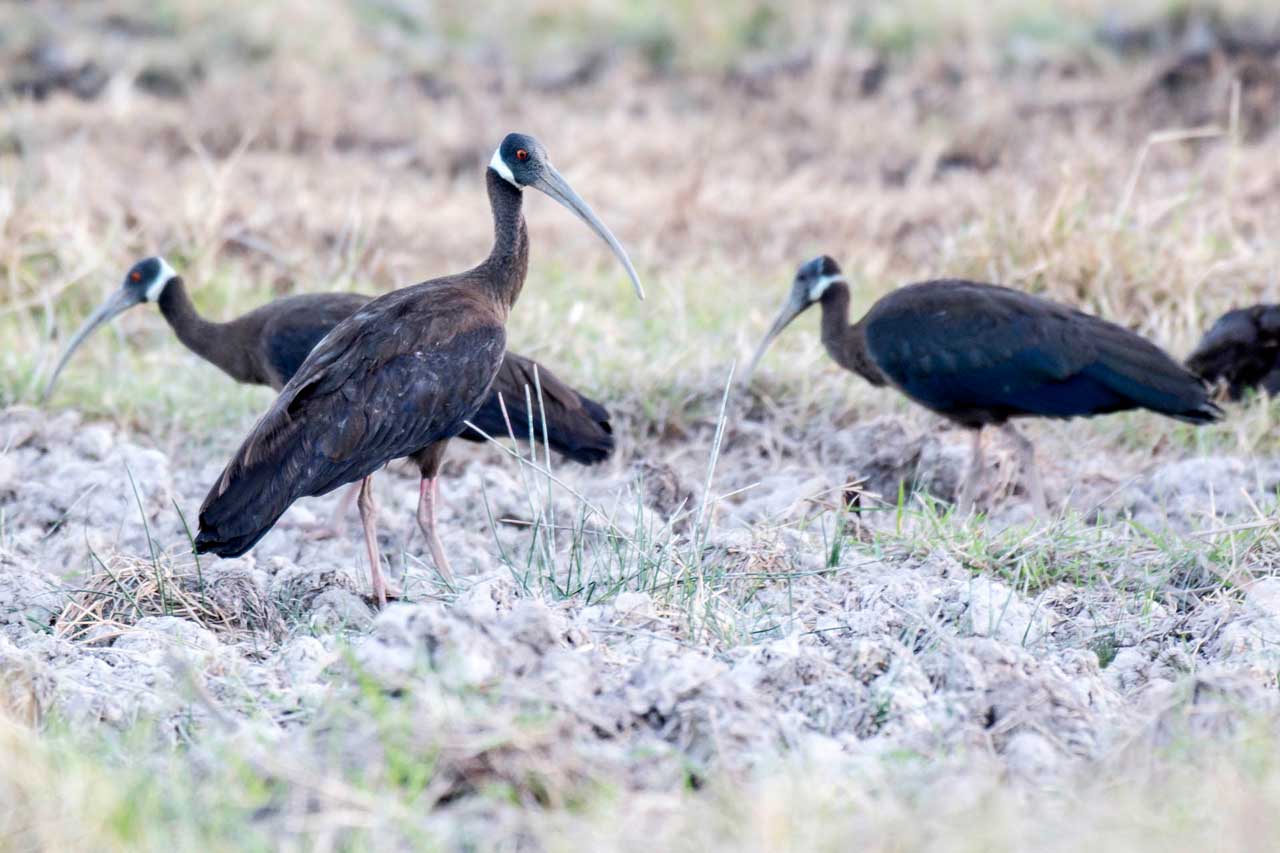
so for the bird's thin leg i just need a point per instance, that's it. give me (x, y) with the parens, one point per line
(368, 513)
(972, 477)
(428, 494)
(331, 528)
(1027, 462)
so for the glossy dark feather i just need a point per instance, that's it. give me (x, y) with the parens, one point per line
(1242, 349)
(577, 426)
(981, 354)
(359, 401)
(296, 324)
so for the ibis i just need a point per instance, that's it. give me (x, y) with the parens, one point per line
(1241, 349)
(981, 355)
(398, 378)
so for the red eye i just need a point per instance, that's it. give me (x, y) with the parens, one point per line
(522, 155)
(136, 276)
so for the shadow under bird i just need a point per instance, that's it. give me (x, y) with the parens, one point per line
(1241, 349)
(981, 354)
(398, 378)
(267, 346)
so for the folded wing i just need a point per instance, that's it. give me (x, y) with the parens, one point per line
(369, 393)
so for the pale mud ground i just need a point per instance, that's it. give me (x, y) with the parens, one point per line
(892, 651)
(646, 656)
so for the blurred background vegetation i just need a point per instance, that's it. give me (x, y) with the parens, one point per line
(1120, 157)
(1111, 155)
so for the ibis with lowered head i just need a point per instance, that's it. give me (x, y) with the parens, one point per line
(981, 355)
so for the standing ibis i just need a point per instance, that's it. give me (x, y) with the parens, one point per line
(981, 354)
(398, 378)
(1242, 349)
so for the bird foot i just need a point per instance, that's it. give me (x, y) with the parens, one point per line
(391, 590)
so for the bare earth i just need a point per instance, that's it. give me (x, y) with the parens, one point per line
(696, 644)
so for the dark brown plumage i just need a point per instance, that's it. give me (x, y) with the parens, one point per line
(361, 400)
(577, 426)
(1241, 349)
(397, 378)
(980, 354)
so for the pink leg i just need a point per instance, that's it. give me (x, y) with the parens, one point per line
(368, 512)
(428, 494)
(1027, 462)
(969, 489)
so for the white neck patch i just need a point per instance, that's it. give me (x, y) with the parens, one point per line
(500, 166)
(157, 287)
(820, 286)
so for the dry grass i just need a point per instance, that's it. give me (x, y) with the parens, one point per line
(339, 144)
(1184, 797)
(1175, 804)
(124, 589)
(276, 178)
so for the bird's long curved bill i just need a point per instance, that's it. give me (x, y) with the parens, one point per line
(558, 188)
(116, 303)
(788, 313)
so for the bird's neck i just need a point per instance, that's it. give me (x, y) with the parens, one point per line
(206, 339)
(508, 262)
(845, 344)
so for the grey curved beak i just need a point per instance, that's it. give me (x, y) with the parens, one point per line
(551, 183)
(117, 303)
(789, 312)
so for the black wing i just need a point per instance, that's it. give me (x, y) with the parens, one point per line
(982, 353)
(385, 383)
(577, 426)
(302, 322)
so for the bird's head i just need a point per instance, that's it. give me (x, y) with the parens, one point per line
(811, 282)
(144, 282)
(522, 162)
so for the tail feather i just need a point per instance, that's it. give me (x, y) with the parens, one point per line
(253, 492)
(577, 426)
(597, 412)
(1145, 374)
(582, 434)
(590, 441)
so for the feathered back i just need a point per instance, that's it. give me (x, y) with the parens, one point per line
(980, 353)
